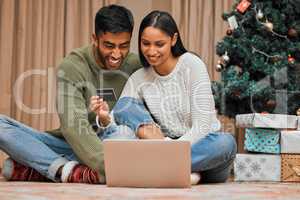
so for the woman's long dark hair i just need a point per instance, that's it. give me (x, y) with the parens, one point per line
(165, 22)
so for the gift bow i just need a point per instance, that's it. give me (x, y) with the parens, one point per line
(296, 170)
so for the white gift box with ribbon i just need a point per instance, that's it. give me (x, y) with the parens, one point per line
(259, 120)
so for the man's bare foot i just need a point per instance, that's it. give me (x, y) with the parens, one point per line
(195, 178)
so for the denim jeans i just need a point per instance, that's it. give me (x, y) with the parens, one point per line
(212, 155)
(132, 113)
(43, 151)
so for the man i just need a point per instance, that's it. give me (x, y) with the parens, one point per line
(74, 153)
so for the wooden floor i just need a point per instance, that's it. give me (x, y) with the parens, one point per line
(226, 191)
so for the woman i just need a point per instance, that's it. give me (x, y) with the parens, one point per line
(173, 92)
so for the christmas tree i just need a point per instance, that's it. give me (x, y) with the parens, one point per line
(260, 59)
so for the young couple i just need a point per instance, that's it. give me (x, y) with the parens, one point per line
(168, 98)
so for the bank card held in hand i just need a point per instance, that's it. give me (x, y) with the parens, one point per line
(107, 94)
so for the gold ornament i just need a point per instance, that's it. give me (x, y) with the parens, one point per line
(219, 67)
(269, 26)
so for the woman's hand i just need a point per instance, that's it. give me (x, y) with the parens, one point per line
(101, 108)
(149, 131)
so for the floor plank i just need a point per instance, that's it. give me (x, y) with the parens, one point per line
(226, 191)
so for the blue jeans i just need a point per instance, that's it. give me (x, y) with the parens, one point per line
(212, 155)
(43, 151)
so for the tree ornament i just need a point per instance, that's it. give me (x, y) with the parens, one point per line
(291, 60)
(226, 58)
(219, 66)
(269, 26)
(243, 6)
(271, 104)
(236, 33)
(238, 70)
(298, 112)
(229, 32)
(236, 93)
(275, 59)
(260, 14)
(292, 33)
(232, 22)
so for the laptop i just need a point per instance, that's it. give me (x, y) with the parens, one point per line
(147, 163)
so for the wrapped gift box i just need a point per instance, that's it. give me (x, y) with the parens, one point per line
(257, 167)
(262, 140)
(290, 168)
(267, 121)
(290, 142)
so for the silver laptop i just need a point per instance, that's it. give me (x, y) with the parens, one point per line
(147, 163)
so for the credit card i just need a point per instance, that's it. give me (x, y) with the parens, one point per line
(108, 94)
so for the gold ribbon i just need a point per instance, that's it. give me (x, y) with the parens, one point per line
(296, 170)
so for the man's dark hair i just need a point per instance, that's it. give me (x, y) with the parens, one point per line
(113, 19)
(165, 22)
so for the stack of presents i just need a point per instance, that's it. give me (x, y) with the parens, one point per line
(272, 144)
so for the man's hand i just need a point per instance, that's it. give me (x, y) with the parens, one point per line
(101, 108)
